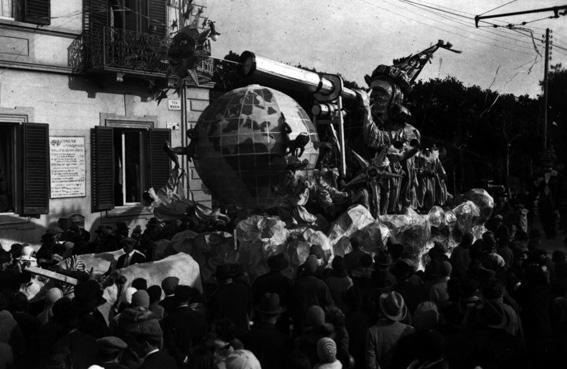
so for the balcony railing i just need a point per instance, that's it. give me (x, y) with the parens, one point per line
(132, 51)
(119, 50)
(111, 49)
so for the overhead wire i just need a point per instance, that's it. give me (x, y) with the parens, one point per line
(461, 22)
(440, 28)
(498, 7)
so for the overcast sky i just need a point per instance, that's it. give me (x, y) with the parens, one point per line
(352, 37)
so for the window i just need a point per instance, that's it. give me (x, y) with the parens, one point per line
(128, 165)
(30, 11)
(141, 16)
(125, 162)
(6, 9)
(24, 168)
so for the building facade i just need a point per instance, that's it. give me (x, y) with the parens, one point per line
(80, 128)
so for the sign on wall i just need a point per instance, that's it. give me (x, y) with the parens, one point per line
(174, 104)
(68, 168)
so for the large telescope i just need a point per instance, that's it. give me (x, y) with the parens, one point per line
(272, 73)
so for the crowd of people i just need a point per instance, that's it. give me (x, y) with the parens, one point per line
(495, 302)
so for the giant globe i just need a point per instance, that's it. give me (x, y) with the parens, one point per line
(240, 145)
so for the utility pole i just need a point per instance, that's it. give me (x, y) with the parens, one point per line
(545, 90)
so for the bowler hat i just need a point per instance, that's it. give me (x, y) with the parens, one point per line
(393, 306)
(270, 304)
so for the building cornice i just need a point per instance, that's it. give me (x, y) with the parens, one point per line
(36, 67)
(32, 28)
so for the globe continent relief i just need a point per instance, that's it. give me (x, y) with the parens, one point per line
(240, 145)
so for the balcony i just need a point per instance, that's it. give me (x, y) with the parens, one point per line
(117, 50)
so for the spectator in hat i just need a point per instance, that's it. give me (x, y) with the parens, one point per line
(352, 259)
(74, 348)
(327, 354)
(105, 240)
(275, 282)
(493, 292)
(269, 344)
(232, 298)
(437, 289)
(131, 256)
(385, 334)
(137, 322)
(338, 281)
(168, 285)
(357, 323)
(183, 328)
(145, 339)
(155, 296)
(382, 278)
(46, 255)
(488, 345)
(409, 283)
(110, 350)
(88, 297)
(29, 326)
(10, 332)
(315, 327)
(309, 290)
(460, 257)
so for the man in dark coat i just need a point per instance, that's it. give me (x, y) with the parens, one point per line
(183, 328)
(308, 291)
(270, 346)
(169, 285)
(275, 282)
(232, 299)
(131, 256)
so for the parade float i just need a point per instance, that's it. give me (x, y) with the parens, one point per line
(284, 180)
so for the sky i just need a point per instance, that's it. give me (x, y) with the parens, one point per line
(352, 37)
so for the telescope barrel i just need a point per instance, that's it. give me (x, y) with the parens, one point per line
(278, 75)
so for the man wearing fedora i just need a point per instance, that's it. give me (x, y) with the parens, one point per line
(268, 343)
(385, 334)
(183, 328)
(233, 298)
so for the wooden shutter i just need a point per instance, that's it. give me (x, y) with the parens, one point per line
(37, 11)
(159, 162)
(95, 17)
(158, 16)
(102, 168)
(35, 164)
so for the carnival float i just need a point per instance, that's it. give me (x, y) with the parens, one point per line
(284, 180)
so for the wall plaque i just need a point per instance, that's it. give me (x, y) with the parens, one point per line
(68, 168)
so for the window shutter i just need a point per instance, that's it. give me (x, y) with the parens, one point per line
(159, 161)
(35, 162)
(102, 168)
(37, 12)
(158, 17)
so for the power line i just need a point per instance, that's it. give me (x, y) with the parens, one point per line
(439, 28)
(448, 17)
(499, 6)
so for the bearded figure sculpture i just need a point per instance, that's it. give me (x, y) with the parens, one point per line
(386, 129)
